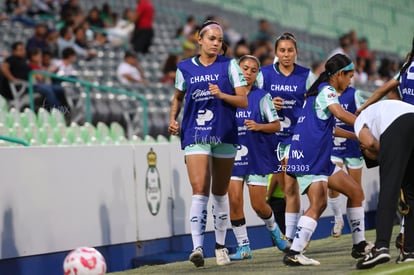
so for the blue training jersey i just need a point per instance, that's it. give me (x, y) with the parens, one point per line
(254, 154)
(311, 147)
(406, 87)
(350, 100)
(207, 119)
(292, 89)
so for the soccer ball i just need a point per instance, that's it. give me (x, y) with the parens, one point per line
(84, 261)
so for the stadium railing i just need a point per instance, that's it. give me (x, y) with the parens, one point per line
(14, 140)
(87, 87)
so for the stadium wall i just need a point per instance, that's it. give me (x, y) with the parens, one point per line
(131, 202)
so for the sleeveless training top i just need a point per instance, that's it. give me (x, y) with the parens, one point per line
(207, 119)
(254, 156)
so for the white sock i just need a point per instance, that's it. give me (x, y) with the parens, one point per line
(291, 221)
(221, 210)
(402, 225)
(335, 205)
(240, 232)
(198, 219)
(306, 227)
(270, 223)
(356, 220)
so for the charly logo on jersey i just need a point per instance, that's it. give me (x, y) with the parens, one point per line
(204, 116)
(242, 151)
(153, 184)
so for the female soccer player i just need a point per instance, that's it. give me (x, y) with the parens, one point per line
(213, 87)
(309, 159)
(345, 152)
(287, 83)
(254, 161)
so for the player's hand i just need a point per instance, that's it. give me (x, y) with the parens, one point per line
(251, 125)
(278, 103)
(215, 90)
(174, 128)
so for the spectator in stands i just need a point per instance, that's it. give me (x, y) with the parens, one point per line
(353, 38)
(122, 29)
(18, 12)
(94, 19)
(42, 82)
(369, 56)
(317, 68)
(169, 69)
(130, 72)
(38, 40)
(190, 28)
(387, 70)
(16, 68)
(263, 36)
(241, 49)
(189, 49)
(360, 76)
(47, 60)
(66, 40)
(52, 44)
(107, 15)
(143, 32)
(71, 9)
(45, 7)
(80, 37)
(344, 46)
(64, 66)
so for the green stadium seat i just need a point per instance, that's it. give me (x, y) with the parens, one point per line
(27, 117)
(43, 117)
(149, 139)
(102, 131)
(57, 117)
(87, 133)
(135, 139)
(117, 132)
(161, 138)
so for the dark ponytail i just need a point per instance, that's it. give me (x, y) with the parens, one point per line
(332, 66)
(408, 61)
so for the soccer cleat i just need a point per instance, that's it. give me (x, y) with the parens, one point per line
(361, 249)
(399, 241)
(375, 257)
(405, 257)
(242, 253)
(279, 240)
(337, 229)
(222, 256)
(298, 260)
(197, 257)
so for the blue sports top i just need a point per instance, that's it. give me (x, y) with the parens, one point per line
(254, 156)
(350, 100)
(207, 119)
(311, 147)
(292, 89)
(406, 87)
